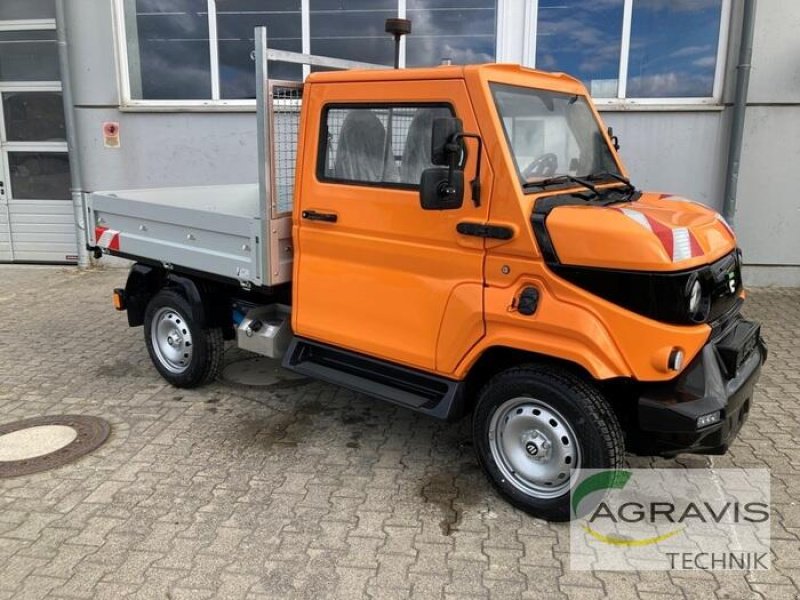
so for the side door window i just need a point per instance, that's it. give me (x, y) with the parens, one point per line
(384, 145)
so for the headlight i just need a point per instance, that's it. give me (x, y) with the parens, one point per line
(695, 297)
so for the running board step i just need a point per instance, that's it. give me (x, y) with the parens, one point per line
(431, 395)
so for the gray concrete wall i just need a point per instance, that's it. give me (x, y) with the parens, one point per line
(768, 209)
(676, 152)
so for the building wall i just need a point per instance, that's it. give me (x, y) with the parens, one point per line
(767, 218)
(156, 149)
(679, 151)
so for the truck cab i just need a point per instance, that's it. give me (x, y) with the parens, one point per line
(465, 240)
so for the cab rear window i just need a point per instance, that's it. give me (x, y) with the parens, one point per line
(382, 145)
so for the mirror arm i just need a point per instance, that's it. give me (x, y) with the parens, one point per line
(452, 162)
(475, 184)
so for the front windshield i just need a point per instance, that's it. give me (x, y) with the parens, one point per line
(551, 134)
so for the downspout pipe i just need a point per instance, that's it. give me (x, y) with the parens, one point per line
(76, 188)
(739, 108)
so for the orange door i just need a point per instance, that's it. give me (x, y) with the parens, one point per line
(374, 272)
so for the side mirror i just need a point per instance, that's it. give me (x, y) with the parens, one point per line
(447, 148)
(614, 139)
(444, 146)
(441, 189)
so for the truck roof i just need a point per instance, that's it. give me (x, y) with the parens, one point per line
(507, 72)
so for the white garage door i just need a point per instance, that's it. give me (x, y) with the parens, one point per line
(36, 219)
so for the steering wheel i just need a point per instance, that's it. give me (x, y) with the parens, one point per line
(544, 165)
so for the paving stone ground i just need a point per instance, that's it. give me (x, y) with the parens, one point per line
(304, 490)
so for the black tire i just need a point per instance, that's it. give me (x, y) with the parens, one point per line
(586, 414)
(201, 348)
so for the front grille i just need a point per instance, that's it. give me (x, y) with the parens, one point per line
(725, 322)
(723, 283)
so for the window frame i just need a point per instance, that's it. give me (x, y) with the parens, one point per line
(28, 148)
(29, 86)
(621, 102)
(494, 86)
(515, 41)
(322, 141)
(22, 145)
(127, 103)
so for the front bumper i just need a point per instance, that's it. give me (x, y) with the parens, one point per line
(721, 379)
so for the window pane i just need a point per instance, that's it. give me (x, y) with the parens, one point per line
(39, 175)
(33, 116)
(581, 38)
(362, 147)
(551, 134)
(353, 29)
(673, 48)
(236, 20)
(173, 56)
(27, 9)
(463, 31)
(28, 56)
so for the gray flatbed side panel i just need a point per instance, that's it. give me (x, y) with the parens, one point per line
(237, 200)
(214, 229)
(170, 214)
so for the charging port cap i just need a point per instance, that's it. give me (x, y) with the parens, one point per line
(528, 301)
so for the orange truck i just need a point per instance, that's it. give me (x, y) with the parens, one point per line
(460, 241)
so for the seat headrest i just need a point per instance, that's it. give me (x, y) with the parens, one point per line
(360, 151)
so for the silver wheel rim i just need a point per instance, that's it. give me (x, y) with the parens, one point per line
(171, 340)
(534, 447)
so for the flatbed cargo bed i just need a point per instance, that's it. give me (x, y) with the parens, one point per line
(216, 229)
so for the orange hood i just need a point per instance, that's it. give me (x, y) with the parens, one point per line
(658, 232)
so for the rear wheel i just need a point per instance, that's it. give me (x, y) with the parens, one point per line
(534, 427)
(184, 353)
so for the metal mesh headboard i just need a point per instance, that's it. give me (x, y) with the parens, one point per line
(286, 99)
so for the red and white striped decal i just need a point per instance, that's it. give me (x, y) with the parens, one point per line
(679, 243)
(107, 238)
(684, 244)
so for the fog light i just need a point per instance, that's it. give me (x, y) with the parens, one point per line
(708, 419)
(675, 360)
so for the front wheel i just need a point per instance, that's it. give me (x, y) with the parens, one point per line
(185, 354)
(534, 426)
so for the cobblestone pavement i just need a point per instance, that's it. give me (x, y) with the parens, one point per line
(304, 489)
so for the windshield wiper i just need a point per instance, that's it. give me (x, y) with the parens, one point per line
(561, 179)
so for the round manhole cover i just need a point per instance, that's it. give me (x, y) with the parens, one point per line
(260, 371)
(44, 443)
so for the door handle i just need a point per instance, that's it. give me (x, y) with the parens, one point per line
(313, 215)
(485, 230)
